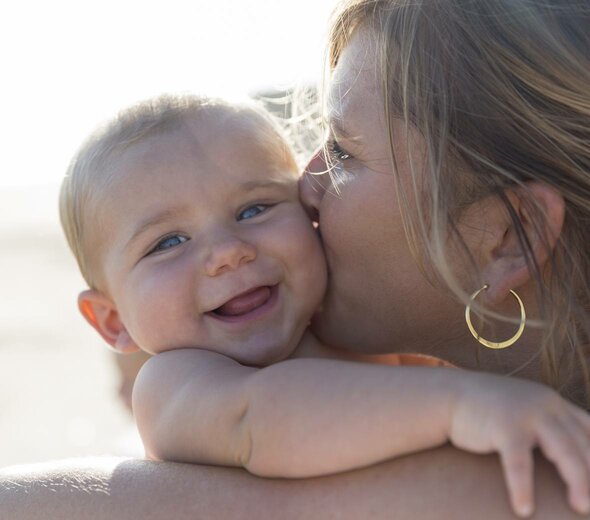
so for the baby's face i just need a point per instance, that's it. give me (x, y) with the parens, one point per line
(206, 245)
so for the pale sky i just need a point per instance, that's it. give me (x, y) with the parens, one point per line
(67, 65)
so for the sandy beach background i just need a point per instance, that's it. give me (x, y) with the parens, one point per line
(58, 382)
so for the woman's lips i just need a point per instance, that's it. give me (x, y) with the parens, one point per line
(247, 306)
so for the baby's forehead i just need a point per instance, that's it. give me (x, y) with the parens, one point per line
(223, 123)
(221, 133)
(241, 137)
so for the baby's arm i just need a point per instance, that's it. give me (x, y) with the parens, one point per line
(308, 417)
(297, 418)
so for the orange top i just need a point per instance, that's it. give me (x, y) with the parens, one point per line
(412, 360)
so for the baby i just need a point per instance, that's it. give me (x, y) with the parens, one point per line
(184, 216)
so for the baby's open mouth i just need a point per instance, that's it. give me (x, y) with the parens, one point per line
(245, 302)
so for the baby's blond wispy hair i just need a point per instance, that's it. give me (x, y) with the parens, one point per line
(92, 169)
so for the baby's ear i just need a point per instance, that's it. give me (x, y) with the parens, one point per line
(102, 314)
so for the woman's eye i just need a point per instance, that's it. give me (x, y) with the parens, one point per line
(168, 243)
(337, 152)
(252, 211)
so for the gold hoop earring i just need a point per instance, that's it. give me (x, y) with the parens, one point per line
(493, 344)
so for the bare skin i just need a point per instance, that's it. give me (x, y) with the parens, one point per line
(452, 484)
(441, 483)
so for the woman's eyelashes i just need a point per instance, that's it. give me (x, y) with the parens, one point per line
(168, 242)
(337, 153)
(339, 172)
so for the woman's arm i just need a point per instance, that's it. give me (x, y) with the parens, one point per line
(441, 483)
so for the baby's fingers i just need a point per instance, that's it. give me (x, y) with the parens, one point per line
(580, 436)
(583, 416)
(559, 447)
(517, 462)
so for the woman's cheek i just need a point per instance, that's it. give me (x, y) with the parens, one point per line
(342, 214)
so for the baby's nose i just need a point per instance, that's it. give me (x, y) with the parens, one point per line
(227, 255)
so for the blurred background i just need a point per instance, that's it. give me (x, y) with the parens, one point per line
(68, 65)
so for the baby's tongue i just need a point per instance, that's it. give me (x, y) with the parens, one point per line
(245, 302)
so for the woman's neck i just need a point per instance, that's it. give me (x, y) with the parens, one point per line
(524, 359)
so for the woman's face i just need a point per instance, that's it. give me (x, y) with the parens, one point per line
(377, 300)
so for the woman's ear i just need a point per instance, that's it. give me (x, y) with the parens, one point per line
(540, 209)
(102, 314)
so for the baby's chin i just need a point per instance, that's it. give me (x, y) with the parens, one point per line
(267, 350)
(269, 356)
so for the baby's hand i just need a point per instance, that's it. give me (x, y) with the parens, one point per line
(513, 418)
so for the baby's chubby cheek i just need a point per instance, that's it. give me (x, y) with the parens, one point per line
(308, 256)
(157, 317)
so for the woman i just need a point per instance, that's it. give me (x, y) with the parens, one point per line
(488, 130)
(463, 126)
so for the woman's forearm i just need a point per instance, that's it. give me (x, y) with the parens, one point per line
(441, 483)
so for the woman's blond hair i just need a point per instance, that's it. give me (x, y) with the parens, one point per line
(500, 92)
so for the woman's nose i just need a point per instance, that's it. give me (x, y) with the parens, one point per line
(313, 184)
(228, 254)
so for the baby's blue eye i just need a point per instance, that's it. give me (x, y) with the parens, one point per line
(168, 243)
(252, 211)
